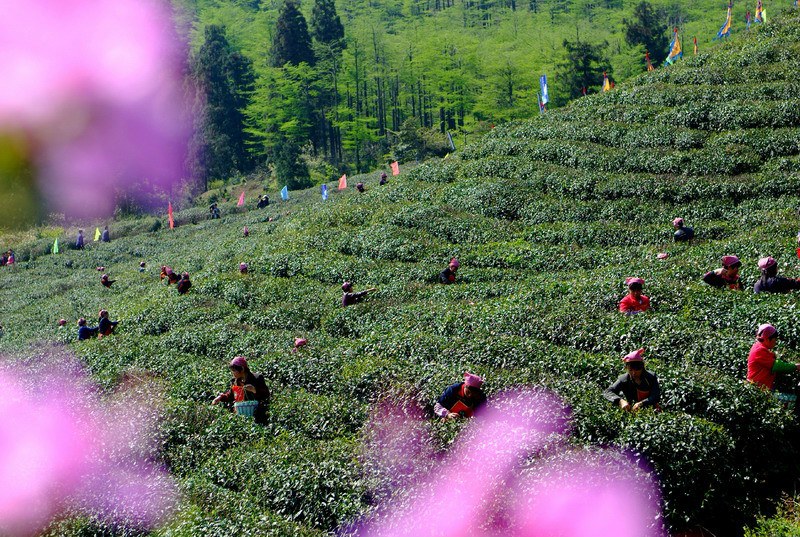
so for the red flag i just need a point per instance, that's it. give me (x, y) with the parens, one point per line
(695, 46)
(395, 168)
(241, 200)
(171, 221)
(343, 182)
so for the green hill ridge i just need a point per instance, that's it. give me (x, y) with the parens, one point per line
(548, 217)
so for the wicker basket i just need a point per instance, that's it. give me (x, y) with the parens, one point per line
(246, 408)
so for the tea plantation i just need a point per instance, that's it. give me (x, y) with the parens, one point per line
(547, 217)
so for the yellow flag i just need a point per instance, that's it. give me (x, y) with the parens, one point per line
(447, 155)
(96, 234)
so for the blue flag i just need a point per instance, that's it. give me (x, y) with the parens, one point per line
(285, 192)
(545, 94)
(324, 192)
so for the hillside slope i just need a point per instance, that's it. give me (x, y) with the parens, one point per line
(547, 217)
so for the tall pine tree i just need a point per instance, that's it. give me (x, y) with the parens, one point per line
(326, 27)
(649, 29)
(291, 42)
(223, 78)
(582, 68)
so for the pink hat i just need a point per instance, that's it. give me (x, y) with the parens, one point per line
(677, 222)
(104, 277)
(346, 286)
(454, 262)
(62, 322)
(629, 281)
(473, 381)
(662, 256)
(246, 230)
(635, 356)
(141, 264)
(239, 362)
(102, 312)
(728, 260)
(101, 269)
(299, 342)
(766, 262)
(242, 266)
(766, 331)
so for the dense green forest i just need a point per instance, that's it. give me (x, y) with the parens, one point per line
(308, 90)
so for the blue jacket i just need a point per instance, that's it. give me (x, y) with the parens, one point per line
(84, 332)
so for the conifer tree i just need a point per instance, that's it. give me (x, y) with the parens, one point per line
(326, 27)
(223, 78)
(582, 68)
(291, 42)
(648, 29)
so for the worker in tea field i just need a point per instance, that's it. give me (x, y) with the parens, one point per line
(461, 399)
(263, 201)
(105, 281)
(360, 187)
(727, 276)
(349, 297)
(448, 275)
(383, 179)
(682, 232)
(84, 332)
(770, 282)
(184, 284)
(105, 326)
(246, 386)
(105, 236)
(79, 241)
(168, 273)
(634, 302)
(637, 388)
(762, 366)
(214, 211)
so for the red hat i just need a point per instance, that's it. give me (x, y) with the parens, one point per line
(728, 260)
(299, 342)
(635, 356)
(239, 362)
(677, 222)
(766, 331)
(766, 262)
(473, 381)
(629, 281)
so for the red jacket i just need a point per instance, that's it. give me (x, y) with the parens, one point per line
(759, 366)
(631, 304)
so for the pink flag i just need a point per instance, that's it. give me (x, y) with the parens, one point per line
(241, 200)
(171, 221)
(395, 168)
(343, 182)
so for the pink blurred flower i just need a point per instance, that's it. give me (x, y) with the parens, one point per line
(662, 256)
(95, 87)
(61, 445)
(511, 472)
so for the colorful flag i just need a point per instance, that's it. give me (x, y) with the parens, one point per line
(96, 234)
(695, 46)
(241, 200)
(396, 166)
(674, 48)
(761, 15)
(725, 31)
(584, 92)
(649, 63)
(324, 191)
(55, 246)
(343, 182)
(171, 221)
(450, 139)
(541, 104)
(747, 20)
(545, 94)
(606, 82)
(285, 192)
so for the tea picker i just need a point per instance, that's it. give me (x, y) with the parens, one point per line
(634, 302)
(448, 275)
(106, 326)
(762, 365)
(682, 233)
(184, 284)
(770, 282)
(461, 399)
(248, 392)
(727, 276)
(84, 331)
(349, 298)
(635, 389)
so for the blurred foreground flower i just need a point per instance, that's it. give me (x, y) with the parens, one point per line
(510, 472)
(63, 448)
(92, 99)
